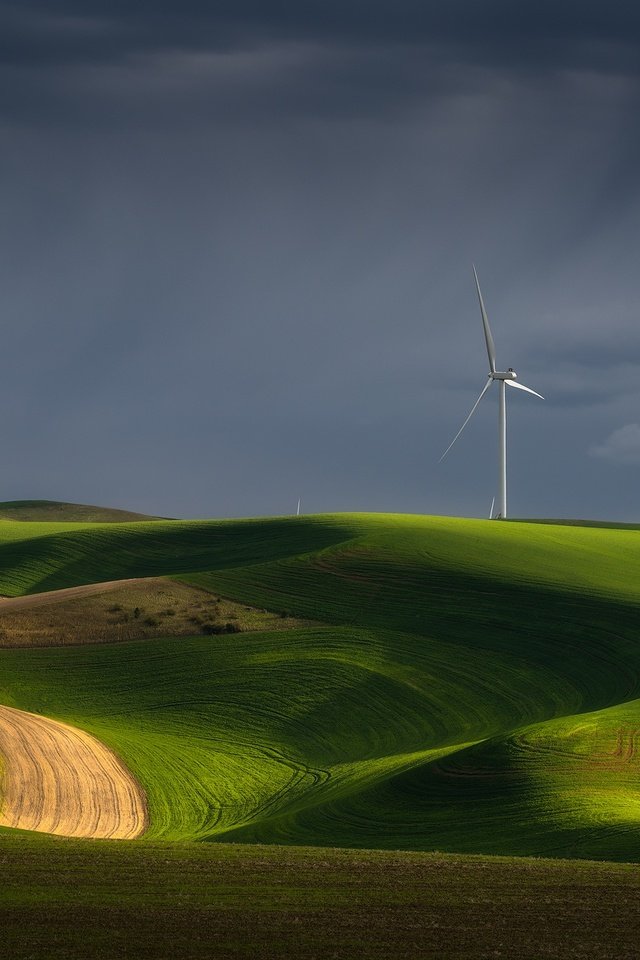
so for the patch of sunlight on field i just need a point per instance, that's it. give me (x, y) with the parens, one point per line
(447, 700)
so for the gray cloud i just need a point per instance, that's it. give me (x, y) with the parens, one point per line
(236, 245)
(108, 61)
(621, 446)
(91, 29)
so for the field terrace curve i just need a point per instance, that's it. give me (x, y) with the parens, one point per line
(466, 686)
(60, 780)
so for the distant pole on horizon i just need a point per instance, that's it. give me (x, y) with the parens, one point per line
(504, 378)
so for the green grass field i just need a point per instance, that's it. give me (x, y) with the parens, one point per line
(473, 686)
(89, 900)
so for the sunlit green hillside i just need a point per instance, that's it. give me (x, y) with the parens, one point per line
(472, 685)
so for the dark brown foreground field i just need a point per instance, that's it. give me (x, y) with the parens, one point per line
(81, 900)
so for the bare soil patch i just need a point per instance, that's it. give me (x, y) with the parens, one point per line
(57, 779)
(121, 610)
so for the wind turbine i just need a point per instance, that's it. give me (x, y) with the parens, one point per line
(504, 378)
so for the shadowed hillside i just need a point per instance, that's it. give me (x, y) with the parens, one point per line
(469, 686)
(53, 510)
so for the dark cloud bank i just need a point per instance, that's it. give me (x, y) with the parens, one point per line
(236, 246)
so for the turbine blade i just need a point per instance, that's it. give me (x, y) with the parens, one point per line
(491, 347)
(473, 410)
(493, 503)
(521, 386)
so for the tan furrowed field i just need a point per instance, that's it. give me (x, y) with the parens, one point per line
(57, 779)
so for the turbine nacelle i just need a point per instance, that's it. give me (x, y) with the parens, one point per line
(505, 378)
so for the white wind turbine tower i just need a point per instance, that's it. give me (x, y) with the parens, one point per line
(503, 377)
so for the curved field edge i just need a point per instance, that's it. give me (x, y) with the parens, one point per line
(46, 556)
(35, 557)
(122, 610)
(59, 779)
(301, 736)
(565, 787)
(445, 633)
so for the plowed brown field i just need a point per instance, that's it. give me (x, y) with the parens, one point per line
(57, 779)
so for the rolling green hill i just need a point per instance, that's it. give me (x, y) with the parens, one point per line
(54, 510)
(475, 686)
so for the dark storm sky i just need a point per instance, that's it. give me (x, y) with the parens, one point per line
(236, 245)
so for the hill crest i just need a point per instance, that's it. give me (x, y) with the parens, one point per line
(59, 510)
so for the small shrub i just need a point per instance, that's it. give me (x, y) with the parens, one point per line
(211, 629)
(136, 613)
(116, 608)
(150, 622)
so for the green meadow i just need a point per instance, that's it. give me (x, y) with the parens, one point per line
(92, 900)
(469, 686)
